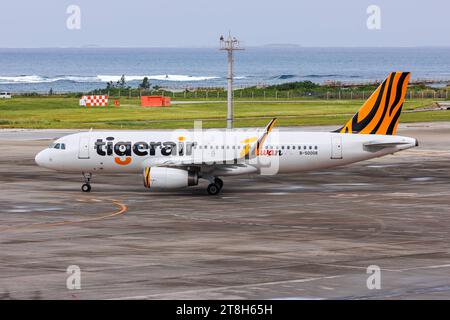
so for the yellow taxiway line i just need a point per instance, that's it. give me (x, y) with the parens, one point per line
(122, 209)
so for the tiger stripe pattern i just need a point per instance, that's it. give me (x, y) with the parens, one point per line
(381, 112)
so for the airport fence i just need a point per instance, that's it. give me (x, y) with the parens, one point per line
(256, 95)
(271, 95)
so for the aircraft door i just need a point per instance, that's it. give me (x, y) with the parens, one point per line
(83, 148)
(197, 153)
(336, 147)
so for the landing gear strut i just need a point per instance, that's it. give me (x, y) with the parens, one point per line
(215, 187)
(86, 187)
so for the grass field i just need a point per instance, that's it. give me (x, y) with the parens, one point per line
(57, 112)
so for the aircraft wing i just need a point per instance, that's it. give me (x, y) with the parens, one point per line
(248, 152)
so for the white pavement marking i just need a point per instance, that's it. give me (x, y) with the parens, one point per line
(228, 288)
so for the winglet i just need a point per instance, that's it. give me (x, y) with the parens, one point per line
(255, 150)
(261, 140)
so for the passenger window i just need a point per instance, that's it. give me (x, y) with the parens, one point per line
(288, 147)
(310, 147)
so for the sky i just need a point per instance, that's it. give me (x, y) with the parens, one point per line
(199, 23)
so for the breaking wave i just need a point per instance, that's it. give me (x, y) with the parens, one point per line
(285, 76)
(161, 77)
(100, 78)
(41, 79)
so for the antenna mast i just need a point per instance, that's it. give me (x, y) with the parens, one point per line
(230, 44)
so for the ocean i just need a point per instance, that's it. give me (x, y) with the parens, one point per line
(84, 69)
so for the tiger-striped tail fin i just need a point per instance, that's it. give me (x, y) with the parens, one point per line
(381, 112)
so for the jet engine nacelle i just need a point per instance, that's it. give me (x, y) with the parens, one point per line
(169, 178)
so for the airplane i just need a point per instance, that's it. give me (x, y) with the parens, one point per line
(179, 158)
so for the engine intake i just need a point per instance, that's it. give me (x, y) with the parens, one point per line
(169, 178)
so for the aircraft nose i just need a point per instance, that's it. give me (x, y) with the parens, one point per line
(40, 159)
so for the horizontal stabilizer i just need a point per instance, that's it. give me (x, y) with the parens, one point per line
(378, 145)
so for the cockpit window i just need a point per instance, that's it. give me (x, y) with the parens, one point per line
(59, 146)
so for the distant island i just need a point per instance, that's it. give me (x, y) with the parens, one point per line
(281, 45)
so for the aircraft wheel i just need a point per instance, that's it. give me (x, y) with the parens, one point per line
(86, 187)
(213, 189)
(219, 182)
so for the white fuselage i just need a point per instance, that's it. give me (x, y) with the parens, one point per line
(215, 152)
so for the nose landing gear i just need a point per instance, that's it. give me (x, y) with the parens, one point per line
(86, 187)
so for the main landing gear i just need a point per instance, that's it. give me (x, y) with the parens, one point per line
(86, 187)
(215, 187)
